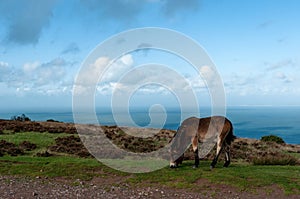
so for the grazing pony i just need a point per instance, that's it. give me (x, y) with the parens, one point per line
(216, 129)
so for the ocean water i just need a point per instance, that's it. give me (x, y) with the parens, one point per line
(249, 122)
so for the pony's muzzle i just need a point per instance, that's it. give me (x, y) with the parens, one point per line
(173, 165)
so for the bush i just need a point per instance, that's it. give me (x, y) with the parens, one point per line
(10, 148)
(21, 118)
(272, 138)
(52, 120)
(44, 154)
(27, 146)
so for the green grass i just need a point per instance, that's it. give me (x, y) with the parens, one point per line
(42, 140)
(245, 177)
(58, 166)
(296, 155)
(135, 166)
(251, 177)
(61, 165)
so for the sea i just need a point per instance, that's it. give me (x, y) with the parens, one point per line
(248, 121)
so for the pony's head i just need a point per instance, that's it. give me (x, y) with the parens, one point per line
(179, 145)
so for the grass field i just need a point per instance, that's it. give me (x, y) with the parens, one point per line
(42, 140)
(241, 175)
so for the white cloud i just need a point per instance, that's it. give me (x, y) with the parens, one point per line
(48, 77)
(127, 59)
(149, 79)
(117, 69)
(88, 77)
(3, 64)
(208, 73)
(4, 71)
(212, 79)
(197, 82)
(40, 74)
(260, 83)
(283, 77)
(30, 67)
(90, 74)
(154, 89)
(280, 75)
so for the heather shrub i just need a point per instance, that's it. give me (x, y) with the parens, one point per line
(272, 138)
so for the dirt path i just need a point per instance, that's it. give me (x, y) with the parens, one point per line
(16, 187)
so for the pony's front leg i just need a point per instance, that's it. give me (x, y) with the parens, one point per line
(197, 160)
(196, 155)
(215, 160)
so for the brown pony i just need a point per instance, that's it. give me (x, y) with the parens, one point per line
(216, 129)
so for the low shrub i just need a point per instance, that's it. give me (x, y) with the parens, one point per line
(52, 120)
(272, 138)
(43, 154)
(27, 146)
(21, 118)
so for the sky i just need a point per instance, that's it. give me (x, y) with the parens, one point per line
(255, 46)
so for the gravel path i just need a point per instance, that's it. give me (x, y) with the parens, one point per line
(16, 187)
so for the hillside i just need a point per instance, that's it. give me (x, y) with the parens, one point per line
(48, 159)
(242, 149)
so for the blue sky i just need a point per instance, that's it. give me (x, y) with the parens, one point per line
(255, 46)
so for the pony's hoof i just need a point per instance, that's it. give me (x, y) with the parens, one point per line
(195, 167)
(226, 164)
(211, 167)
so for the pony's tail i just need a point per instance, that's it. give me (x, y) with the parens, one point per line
(230, 136)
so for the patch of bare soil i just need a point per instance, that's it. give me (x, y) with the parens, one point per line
(114, 187)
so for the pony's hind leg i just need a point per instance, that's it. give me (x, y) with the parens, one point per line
(227, 155)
